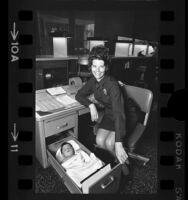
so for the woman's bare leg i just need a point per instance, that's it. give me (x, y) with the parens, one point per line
(110, 141)
(101, 136)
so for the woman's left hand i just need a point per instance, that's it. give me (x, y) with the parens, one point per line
(120, 153)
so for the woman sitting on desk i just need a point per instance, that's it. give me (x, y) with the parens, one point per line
(111, 129)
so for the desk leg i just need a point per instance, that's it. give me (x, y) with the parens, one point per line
(40, 148)
(76, 127)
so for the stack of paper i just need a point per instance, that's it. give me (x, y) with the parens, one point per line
(56, 91)
(46, 102)
(66, 100)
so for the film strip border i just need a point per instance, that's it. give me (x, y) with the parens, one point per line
(171, 126)
(22, 112)
(21, 96)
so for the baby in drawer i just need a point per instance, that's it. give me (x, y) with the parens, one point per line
(77, 163)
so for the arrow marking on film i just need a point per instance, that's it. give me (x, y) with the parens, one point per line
(14, 133)
(14, 33)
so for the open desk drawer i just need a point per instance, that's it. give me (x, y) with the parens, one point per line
(105, 180)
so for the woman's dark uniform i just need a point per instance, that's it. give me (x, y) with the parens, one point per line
(108, 93)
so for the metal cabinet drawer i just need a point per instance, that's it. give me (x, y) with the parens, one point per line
(105, 182)
(109, 183)
(57, 125)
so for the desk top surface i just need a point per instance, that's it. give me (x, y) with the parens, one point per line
(55, 104)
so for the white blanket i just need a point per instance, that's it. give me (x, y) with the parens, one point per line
(81, 165)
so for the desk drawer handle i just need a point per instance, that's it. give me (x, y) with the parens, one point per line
(63, 126)
(104, 186)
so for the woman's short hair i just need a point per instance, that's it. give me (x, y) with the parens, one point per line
(99, 52)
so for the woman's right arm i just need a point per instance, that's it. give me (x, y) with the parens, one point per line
(82, 97)
(84, 92)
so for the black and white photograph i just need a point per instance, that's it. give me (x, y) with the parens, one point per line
(96, 101)
(88, 110)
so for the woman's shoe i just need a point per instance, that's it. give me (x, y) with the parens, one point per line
(131, 149)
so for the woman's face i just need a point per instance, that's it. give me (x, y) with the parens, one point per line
(98, 69)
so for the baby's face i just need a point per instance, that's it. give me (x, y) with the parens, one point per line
(67, 150)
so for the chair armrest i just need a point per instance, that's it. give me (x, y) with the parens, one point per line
(146, 119)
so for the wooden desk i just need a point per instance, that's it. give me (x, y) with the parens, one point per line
(54, 123)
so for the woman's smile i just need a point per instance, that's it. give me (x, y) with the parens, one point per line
(98, 69)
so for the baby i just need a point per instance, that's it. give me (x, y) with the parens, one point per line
(78, 164)
(67, 150)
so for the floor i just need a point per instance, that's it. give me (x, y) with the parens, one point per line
(142, 179)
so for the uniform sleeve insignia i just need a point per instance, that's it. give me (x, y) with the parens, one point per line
(104, 91)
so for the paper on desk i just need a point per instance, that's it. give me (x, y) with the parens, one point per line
(37, 108)
(56, 90)
(66, 100)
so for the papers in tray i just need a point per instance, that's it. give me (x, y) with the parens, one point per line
(47, 103)
(56, 91)
(66, 100)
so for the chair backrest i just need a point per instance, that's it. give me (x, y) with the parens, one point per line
(143, 97)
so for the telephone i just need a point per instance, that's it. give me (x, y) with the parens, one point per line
(75, 81)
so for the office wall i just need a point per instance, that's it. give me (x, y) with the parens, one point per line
(146, 25)
(109, 24)
(140, 24)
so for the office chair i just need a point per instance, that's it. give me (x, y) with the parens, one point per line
(143, 98)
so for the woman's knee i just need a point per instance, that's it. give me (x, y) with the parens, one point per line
(100, 139)
(110, 141)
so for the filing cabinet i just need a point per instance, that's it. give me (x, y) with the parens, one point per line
(59, 124)
(47, 127)
(104, 180)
